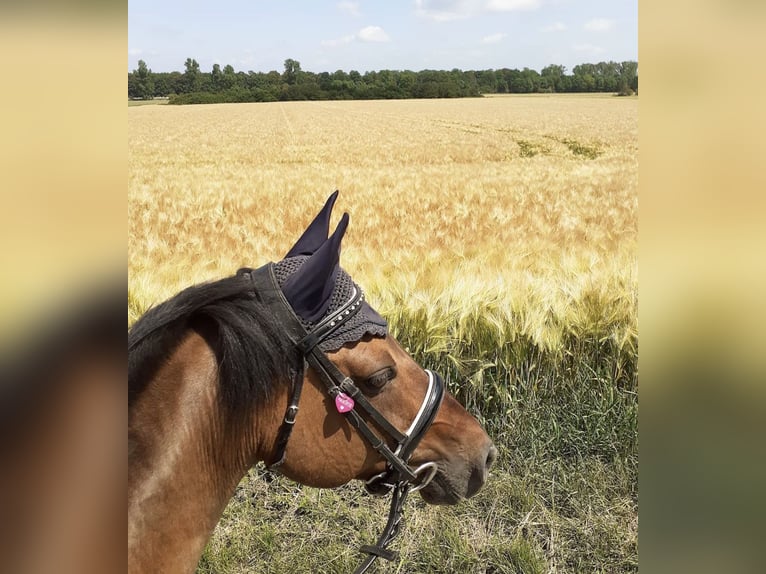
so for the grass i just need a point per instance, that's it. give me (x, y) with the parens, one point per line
(498, 236)
(154, 102)
(578, 148)
(558, 516)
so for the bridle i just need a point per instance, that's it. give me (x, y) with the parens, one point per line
(398, 477)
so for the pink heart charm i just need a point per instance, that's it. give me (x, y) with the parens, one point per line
(343, 403)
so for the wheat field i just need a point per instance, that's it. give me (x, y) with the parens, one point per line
(527, 203)
(499, 237)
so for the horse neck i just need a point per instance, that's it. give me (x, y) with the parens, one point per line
(184, 462)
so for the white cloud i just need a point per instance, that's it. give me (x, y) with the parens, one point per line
(338, 41)
(591, 49)
(135, 51)
(555, 27)
(373, 34)
(446, 10)
(512, 5)
(599, 25)
(351, 8)
(366, 34)
(493, 38)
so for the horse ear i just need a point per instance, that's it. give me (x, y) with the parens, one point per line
(309, 290)
(316, 233)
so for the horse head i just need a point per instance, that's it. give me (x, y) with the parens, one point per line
(379, 378)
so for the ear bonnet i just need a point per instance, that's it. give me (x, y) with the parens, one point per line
(314, 284)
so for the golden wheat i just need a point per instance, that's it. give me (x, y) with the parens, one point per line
(523, 207)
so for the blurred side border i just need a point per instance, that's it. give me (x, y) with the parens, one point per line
(703, 278)
(63, 167)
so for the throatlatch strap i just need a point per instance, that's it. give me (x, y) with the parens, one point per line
(280, 450)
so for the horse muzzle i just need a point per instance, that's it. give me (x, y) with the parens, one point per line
(458, 480)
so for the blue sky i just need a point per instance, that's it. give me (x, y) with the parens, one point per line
(327, 35)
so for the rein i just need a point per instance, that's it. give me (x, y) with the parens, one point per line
(399, 477)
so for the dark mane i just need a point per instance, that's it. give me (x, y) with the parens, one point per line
(252, 351)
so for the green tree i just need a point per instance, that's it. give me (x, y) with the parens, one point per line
(292, 68)
(161, 88)
(487, 81)
(216, 78)
(133, 89)
(407, 81)
(628, 72)
(143, 82)
(191, 75)
(229, 77)
(224, 84)
(584, 78)
(522, 82)
(502, 80)
(273, 85)
(552, 75)
(325, 83)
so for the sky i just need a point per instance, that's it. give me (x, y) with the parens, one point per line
(330, 35)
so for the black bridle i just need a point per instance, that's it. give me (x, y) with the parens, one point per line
(399, 477)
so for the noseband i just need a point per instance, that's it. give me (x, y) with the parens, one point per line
(399, 477)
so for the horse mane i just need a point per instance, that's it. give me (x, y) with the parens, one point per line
(252, 351)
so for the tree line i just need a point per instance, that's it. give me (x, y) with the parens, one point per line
(194, 86)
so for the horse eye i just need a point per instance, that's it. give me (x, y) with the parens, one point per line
(379, 379)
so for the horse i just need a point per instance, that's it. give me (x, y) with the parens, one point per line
(63, 452)
(288, 365)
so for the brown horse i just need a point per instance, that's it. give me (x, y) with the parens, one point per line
(62, 440)
(286, 364)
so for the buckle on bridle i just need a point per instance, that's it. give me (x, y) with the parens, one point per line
(290, 414)
(429, 470)
(378, 485)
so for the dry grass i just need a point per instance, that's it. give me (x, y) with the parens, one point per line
(498, 236)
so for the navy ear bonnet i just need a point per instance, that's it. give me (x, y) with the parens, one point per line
(315, 286)
(366, 322)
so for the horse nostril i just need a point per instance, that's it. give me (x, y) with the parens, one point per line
(491, 456)
(480, 473)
